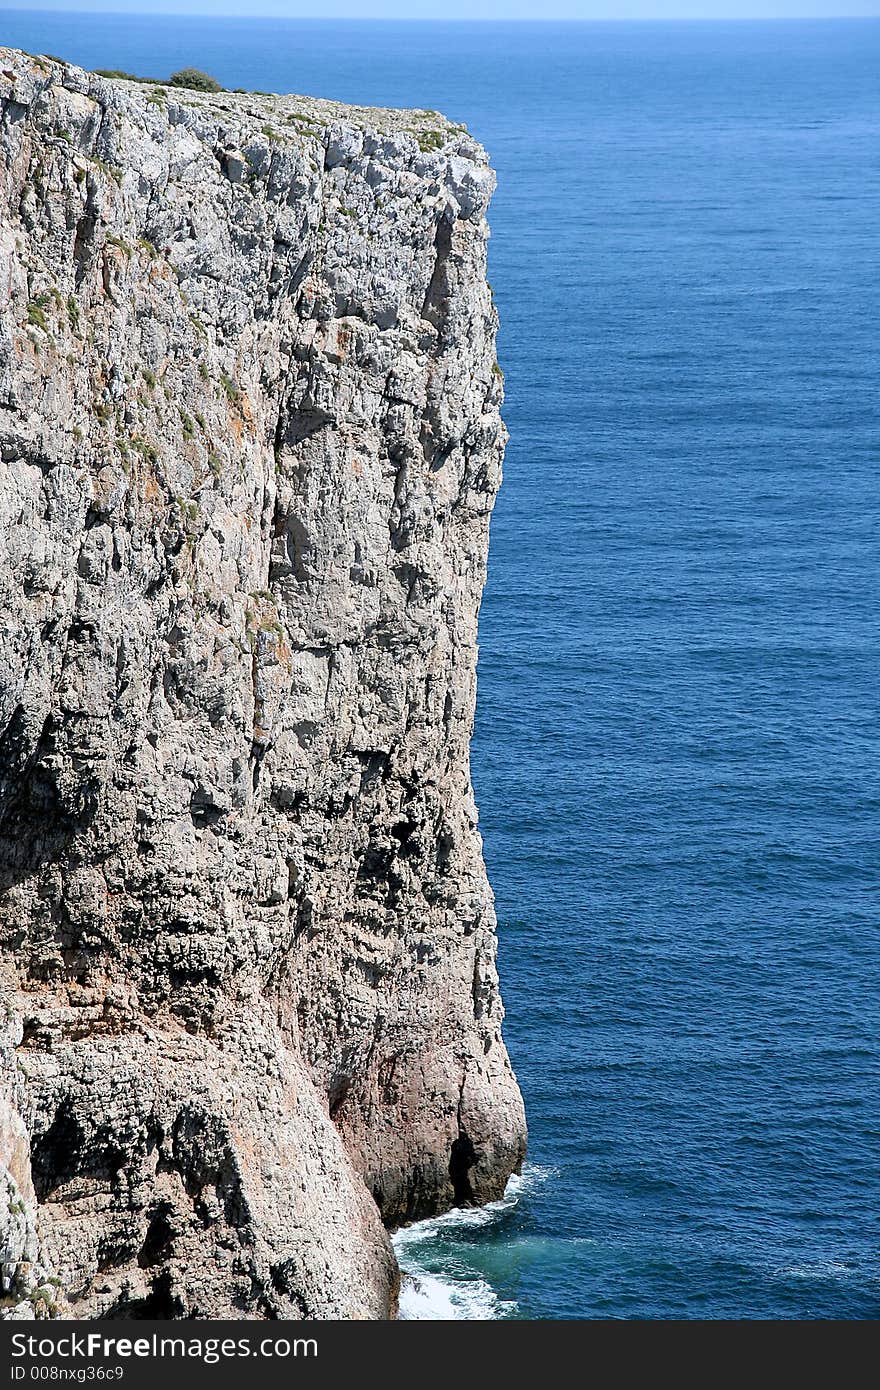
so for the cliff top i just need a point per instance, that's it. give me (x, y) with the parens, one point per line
(282, 118)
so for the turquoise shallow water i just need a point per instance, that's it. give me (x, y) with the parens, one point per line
(676, 753)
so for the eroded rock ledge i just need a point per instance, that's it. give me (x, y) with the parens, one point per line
(249, 444)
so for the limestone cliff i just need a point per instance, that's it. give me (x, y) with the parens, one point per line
(249, 444)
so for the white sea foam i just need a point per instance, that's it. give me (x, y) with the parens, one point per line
(533, 1175)
(821, 1269)
(458, 1292)
(432, 1298)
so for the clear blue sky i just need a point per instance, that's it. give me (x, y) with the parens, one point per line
(474, 9)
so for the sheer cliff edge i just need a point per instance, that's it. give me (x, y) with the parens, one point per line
(249, 445)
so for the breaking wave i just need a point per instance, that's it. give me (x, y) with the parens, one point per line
(441, 1281)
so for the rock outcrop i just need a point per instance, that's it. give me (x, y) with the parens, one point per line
(249, 444)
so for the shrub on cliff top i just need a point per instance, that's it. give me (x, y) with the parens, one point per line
(196, 80)
(126, 76)
(193, 78)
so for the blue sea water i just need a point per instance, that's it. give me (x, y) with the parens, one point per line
(677, 753)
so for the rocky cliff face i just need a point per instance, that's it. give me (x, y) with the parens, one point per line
(249, 444)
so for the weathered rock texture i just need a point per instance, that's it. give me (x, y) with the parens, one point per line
(250, 432)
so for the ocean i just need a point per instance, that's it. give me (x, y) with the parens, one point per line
(677, 754)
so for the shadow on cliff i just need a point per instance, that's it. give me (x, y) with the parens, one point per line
(41, 810)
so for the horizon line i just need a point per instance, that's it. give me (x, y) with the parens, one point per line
(204, 13)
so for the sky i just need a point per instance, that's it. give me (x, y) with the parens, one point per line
(474, 9)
